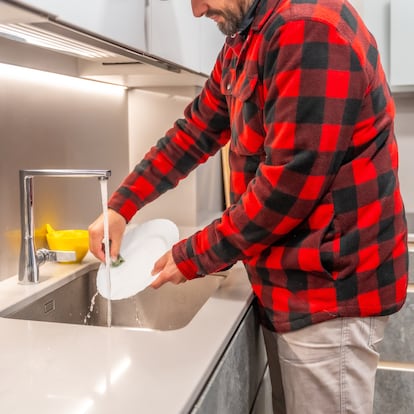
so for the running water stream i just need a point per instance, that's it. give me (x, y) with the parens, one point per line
(91, 306)
(104, 196)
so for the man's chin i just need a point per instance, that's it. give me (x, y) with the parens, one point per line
(227, 26)
(224, 29)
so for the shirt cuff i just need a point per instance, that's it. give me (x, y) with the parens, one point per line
(186, 265)
(125, 207)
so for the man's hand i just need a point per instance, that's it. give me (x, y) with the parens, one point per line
(117, 225)
(168, 271)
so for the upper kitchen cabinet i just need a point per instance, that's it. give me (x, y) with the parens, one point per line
(402, 33)
(122, 21)
(176, 35)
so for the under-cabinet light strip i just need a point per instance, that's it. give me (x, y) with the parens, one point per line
(36, 36)
(36, 76)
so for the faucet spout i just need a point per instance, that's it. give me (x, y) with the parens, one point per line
(65, 173)
(30, 259)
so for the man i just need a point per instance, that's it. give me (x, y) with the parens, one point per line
(317, 216)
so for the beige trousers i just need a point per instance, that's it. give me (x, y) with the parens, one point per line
(327, 368)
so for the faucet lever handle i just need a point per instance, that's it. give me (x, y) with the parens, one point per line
(45, 255)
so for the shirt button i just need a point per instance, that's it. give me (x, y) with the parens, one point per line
(229, 86)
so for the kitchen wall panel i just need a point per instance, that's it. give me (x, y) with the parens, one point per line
(48, 123)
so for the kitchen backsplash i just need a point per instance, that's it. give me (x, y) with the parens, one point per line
(46, 122)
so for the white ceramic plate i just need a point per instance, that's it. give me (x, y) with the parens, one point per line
(141, 247)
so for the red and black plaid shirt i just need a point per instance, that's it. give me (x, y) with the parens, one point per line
(316, 215)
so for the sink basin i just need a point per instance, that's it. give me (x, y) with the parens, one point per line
(170, 307)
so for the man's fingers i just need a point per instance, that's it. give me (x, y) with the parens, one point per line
(115, 246)
(117, 226)
(159, 281)
(95, 241)
(160, 264)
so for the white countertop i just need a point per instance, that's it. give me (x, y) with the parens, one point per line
(73, 369)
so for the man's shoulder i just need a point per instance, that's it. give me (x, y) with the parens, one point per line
(339, 14)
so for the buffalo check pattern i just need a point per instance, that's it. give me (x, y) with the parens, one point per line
(316, 216)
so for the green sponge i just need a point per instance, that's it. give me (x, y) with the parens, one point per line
(119, 260)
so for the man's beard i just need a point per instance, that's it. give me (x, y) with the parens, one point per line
(232, 20)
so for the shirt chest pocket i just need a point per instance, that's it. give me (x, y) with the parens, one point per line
(246, 112)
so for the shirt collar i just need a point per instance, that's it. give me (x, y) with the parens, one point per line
(257, 15)
(248, 18)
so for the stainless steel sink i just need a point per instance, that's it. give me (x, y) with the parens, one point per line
(170, 307)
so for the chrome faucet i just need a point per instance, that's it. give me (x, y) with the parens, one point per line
(30, 259)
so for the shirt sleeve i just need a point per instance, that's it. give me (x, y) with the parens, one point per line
(192, 140)
(313, 85)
